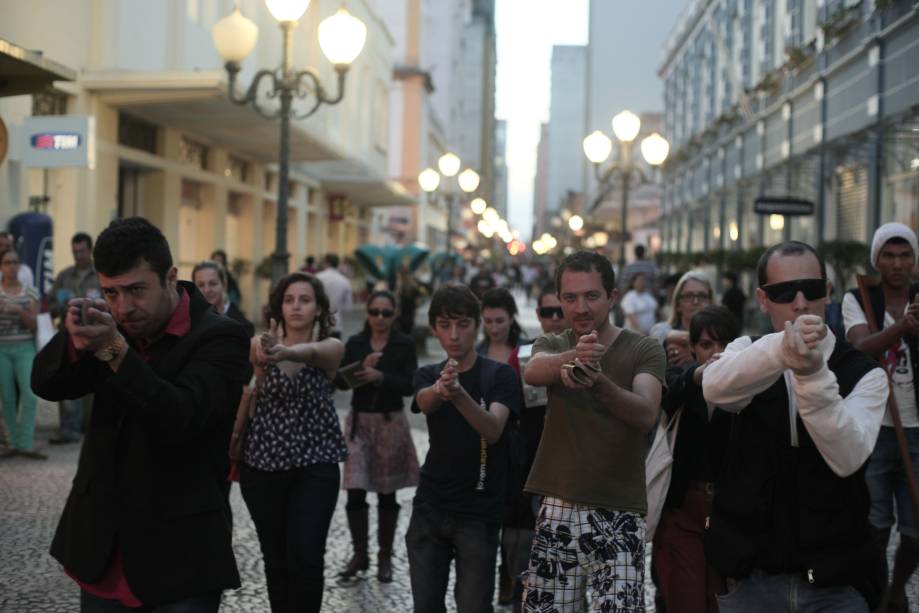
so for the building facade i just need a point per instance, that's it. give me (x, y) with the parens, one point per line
(566, 164)
(813, 99)
(170, 146)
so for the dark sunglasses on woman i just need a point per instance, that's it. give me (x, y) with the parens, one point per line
(785, 292)
(550, 312)
(385, 313)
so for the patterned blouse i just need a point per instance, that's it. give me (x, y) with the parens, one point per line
(295, 423)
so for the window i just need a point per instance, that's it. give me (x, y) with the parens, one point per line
(193, 153)
(136, 133)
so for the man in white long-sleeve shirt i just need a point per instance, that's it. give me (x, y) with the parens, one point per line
(789, 527)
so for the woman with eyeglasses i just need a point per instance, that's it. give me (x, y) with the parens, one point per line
(18, 322)
(693, 292)
(381, 454)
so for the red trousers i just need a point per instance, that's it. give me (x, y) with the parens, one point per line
(685, 581)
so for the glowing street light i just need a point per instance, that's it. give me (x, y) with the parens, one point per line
(449, 164)
(468, 180)
(429, 180)
(575, 222)
(478, 206)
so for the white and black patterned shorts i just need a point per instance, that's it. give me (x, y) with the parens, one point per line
(587, 551)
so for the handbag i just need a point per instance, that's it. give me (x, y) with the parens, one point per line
(244, 414)
(658, 470)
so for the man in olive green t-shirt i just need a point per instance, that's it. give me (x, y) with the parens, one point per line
(590, 466)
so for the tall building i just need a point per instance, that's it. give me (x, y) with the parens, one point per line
(540, 180)
(500, 172)
(567, 106)
(816, 100)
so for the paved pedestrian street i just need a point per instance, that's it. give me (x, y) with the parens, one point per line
(32, 495)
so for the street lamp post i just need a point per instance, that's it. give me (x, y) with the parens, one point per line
(429, 181)
(597, 148)
(341, 38)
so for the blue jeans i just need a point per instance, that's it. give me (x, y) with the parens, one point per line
(71, 414)
(887, 483)
(200, 604)
(762, 593)
(292, 510)
(433, 540)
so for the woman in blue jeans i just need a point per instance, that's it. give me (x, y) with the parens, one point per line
(18, 316)
(290, 475)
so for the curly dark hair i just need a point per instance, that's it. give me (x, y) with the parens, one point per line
(126, 243)
(325, 319)
(501, 298)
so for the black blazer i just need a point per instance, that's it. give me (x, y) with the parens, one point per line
(145, 476)
(235, 314)
(398, 364)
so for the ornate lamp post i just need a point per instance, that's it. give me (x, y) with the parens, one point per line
(341, 38)
(449, 165)
(597, 148)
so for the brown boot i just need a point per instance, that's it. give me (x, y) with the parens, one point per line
(386, 532)
(357, 523)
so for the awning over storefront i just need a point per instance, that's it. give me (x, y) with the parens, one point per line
(28, 72)
(197, 103)
(360, 183)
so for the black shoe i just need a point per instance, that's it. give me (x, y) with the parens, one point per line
(32, 454)
(60, 440)
(9, 453)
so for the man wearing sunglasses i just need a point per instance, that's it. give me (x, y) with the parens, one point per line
(789, 526)
(895, 308)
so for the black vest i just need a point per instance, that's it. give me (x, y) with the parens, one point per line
(781, 509)
(876, 296)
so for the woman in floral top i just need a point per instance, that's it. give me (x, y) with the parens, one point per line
(290, 474)
(18, 312)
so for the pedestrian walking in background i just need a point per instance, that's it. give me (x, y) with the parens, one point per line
(467, 400)
(77, 281)
(409, 294)
(789, 525)
(701, 439)
(338, 289)
(233, 293)
(145, 524)
(692, 293)
(590, 463)
(212, 280)
(521, 507)
(892, 339)
(482, 281)
(640, 266)
(733, 297)
(381, 454)
(18, 317)
(290, 476)
(639, 306)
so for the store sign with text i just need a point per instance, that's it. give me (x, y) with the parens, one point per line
(59, 142)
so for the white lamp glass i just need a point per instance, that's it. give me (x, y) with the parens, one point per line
(449, 164)
(478, 206)
(235, 36)
(429, 179)
(342, 37)
(597, 146)
(287, 10)
(485, 229)
(777, 222)
(733, 231)
(468, 180)
(575, 222)
(491, 216)
(626, 126)
(538, 247)
(655, 149)
(601, 239)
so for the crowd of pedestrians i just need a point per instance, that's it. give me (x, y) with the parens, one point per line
(788, 460)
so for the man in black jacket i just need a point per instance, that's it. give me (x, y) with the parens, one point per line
(789, 525)
(145, 524)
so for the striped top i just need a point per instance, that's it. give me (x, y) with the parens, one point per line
(12, 330)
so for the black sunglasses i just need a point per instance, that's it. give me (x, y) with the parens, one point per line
(785, 292)
(387, 313)
(549, 312)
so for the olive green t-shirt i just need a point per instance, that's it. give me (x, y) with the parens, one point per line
(587, 455)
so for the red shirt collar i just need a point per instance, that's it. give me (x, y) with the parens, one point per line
(180, 322)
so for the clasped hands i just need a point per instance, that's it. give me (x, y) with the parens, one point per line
(447, 387)
(801, 344)
(90, 324)
(587, 355)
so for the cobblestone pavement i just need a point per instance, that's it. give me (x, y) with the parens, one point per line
(32, 496)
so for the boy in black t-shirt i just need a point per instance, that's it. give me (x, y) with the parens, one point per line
(459, 503)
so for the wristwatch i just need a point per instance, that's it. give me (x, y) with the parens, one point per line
(111, 351)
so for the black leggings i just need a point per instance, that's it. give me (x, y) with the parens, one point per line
(357, 500)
